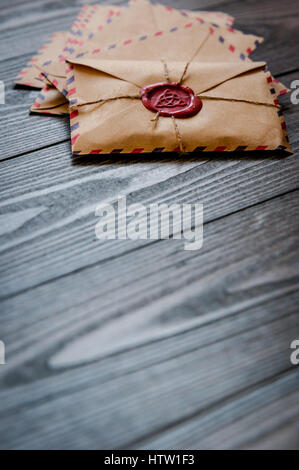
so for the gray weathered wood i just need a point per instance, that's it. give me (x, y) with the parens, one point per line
(266, 417)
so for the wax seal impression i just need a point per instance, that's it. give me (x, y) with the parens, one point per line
(170, 99)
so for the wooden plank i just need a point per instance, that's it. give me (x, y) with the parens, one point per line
(17, 7)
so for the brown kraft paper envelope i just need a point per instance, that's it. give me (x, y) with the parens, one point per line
(240, 110)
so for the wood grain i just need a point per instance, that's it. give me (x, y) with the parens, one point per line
(125, 344)
(25, 133)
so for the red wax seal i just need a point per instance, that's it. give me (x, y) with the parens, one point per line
(170, 99)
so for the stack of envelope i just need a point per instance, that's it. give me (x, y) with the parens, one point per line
(145, 77)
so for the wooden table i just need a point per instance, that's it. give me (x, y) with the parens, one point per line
(140, 344)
